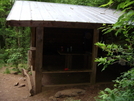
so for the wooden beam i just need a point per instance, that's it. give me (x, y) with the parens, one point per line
(58, 85)
(78, 84)
(54, 24)
(37, 73)
(31, 58)
(31, 52)
(33, 37)
(94, 55)
(71, 71)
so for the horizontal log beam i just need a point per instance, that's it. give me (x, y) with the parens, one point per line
(54, 24)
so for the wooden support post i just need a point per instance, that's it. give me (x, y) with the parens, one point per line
(37, 73)
(31, 57)
(33, 37)
(32, 51)
(94, 55)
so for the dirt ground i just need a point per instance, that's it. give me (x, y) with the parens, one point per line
(10, 92)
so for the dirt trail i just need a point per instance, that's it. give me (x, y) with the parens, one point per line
(9, 92)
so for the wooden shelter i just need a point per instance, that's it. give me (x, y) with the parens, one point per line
(62, 37)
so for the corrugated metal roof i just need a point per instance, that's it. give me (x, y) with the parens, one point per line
(43, 11)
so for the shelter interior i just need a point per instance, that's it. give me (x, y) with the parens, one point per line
(67, 49)
(67, 54)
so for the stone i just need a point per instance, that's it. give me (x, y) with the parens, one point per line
(69, 93)
(16, 84)
(52, 98)
(22, 85)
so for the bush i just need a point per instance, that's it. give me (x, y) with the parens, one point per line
(120, 53)
(123, 89)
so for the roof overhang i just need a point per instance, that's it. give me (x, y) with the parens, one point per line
(34, 14)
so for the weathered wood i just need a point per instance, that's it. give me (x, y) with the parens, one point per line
(33, 37)
(84, 54)
(31, 59)
(32, 48)
(71, 71)
(37, 74)
(94, 55)
(29, 82)
(31, 52)
(54, 24)
(76, 84)
(58, 85)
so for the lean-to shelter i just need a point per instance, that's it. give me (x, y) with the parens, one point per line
(62, 38)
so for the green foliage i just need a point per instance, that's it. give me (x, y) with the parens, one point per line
(120, 53)
(116, 54)
(78, 2)
(15, 46)
(14, 41)
(105, 61)
(123, 89)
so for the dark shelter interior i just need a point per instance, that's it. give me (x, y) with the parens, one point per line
(70, 49)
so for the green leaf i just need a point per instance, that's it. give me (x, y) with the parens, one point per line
(109, 3)
(113, 97)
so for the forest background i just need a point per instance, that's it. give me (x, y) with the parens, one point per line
(15, 42)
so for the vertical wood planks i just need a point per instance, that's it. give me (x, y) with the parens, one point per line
(94, 55)
(37, 74)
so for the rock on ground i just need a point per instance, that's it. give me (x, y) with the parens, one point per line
(69, 93)
(52, 98)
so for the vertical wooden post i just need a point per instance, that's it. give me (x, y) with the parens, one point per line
(37, 73)
(94, 55)
(31, 59)
(33, 48)
(33, 37)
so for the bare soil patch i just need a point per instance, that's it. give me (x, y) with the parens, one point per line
(10, 92)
